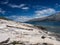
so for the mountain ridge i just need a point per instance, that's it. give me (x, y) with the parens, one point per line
(54, 17)
(4, 18)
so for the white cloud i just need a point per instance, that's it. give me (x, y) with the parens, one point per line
(57, 5)
(5, 2)
(38, 14)
(21, 6)
(38, 7)
(16, 6)
(25, 8)
(45, 12)
(2, 11)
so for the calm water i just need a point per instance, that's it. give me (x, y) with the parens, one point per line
(50, 26)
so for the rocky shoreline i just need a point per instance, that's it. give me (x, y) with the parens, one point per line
(25, 34)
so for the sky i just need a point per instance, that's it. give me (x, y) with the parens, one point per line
(24, 10)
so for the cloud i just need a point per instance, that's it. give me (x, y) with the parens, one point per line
(5, 2)
(2, 11)
(25, 8)
(38, 7)
(57, 5)
(45, 12)
(21, 6)
(20, 18)
(16, 6)
(38, 14)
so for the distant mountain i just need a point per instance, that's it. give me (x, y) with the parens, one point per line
(2, 17)
(54, 17)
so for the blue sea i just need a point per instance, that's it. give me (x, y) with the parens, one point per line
(49, 25)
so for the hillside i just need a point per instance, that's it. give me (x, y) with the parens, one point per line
(54, 17)
(2, 17)
(25, 34)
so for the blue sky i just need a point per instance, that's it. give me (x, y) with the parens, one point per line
(23, 10)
